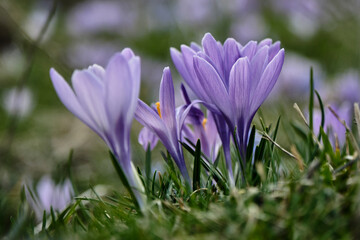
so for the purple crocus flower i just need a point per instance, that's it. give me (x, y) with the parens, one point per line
(105, 100)
(332, 126)
(202, 128)
(49, 195)
(147, 137)
(165, 123)
(232, 80)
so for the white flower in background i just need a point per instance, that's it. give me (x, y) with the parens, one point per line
(18, 102)
(48, 195)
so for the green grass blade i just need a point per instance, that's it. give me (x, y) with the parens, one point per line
(197, 166)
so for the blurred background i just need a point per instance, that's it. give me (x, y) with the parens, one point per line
(37, 132)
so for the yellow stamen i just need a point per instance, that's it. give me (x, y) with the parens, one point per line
(158, 108)
(204, 121)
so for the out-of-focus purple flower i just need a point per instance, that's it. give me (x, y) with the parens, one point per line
(90, 52)
(48, 195)
(294, 81)
(18, 102)
(105, 100)
(232, 80)
(202, 128)
(333, 127)
(346, 87)
(93, 17)
(165, 123)
(250, 26)
(146, 137)
(199, 12)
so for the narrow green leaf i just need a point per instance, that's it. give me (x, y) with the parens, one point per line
(148, 168)
(311, 100)
(197, 166)
(322, 112)
(275, 132)
(250, 146)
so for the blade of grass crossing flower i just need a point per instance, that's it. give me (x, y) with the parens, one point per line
(327, 145)
(197, 166)
(311, 99)
(172, 171)
(357, 117)
(322, 112)
(250, 146)
(148, 169)
(153, 183)
(241, 161)
(214, 171)
(122, 177)
(275, 132)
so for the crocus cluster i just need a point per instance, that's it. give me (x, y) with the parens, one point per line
(229, 79)
(232, 81)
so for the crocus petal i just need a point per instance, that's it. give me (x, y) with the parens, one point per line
(239, 89)
(258, 64)
(268, 80)
(119, 87)
(249, 50)
(193, 82)
(265, 42)
(127, 53)
(90, 93)
(232, 53)
(147, 137)
(196, 47)
(167, 102)
(135, 69)
(178, 61)
(213, 85)
(184, 94)
(211, 48)
(69, 99)
(274, 49)
(97, 71)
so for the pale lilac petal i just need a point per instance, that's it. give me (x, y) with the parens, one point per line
(127, 53)
(249, 50)
(119, 88)
(196, 47)
(258, 64)
(69, 99)
(97, 71)
(265, 42)
(147, 137)
(178, 61)
(268, 80)
(213, 85)
(194, 83)
(232, 53)
(274, 49)
(135, 69)
(239, 88)
(90, 93)
(211, 48)
(167, 102)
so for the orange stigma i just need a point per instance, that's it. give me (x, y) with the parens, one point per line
(204, 121)
(158, 108)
